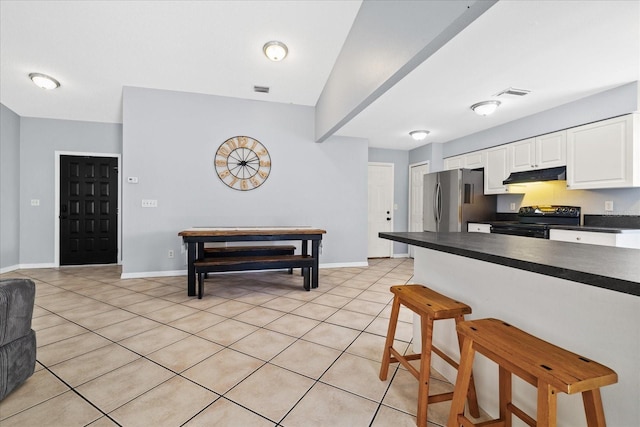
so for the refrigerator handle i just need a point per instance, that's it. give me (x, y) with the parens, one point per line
(436, 205)
(439, 205)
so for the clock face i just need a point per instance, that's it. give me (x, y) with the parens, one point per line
(242, 163)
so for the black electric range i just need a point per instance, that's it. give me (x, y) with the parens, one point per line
(534, 221)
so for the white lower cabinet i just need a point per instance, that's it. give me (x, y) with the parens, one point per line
(621, 240)
(473, 227)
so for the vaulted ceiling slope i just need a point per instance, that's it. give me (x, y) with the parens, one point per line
(559, 50)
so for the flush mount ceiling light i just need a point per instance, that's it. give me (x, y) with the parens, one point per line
(44, 81)
(419, 135)
(275, 50)
(485, 108)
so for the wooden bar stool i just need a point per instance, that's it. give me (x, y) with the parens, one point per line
(430, 306)
(549, 368)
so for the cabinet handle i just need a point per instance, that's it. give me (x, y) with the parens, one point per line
(578, 238)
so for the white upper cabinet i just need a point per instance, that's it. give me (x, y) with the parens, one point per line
(604, 154)
(496, 169)
(541, 152)
(473, 160)
(456, 162)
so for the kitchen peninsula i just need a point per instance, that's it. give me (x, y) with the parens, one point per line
(585, 298)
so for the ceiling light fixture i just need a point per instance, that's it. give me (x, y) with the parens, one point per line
(275, 50)
(419, 135)
(485, 108)
(44, 81)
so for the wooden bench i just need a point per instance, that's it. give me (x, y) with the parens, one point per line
(269, 262)
(240, 251)
(248, 251)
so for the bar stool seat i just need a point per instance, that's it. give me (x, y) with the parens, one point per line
(430, 306)
(549, 368)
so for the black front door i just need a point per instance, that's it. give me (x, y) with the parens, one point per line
(88, 210)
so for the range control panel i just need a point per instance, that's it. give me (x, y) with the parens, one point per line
(550, 211)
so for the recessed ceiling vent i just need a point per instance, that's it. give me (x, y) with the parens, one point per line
(513, 91)
(261, 89)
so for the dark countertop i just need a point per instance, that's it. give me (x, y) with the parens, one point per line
(616, 269)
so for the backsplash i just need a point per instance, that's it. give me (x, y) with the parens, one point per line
(626, 201)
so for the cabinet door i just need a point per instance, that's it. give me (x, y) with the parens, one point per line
(551, 150)
(456, 162)
(604, 154)
(474, 160)
(522, 157)
(496, 170)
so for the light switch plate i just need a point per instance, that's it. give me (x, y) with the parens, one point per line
(148, 203)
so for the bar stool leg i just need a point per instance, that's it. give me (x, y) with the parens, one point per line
(593, 408)
(462, 382)
(426, 324)
(504, 390)
(547, 405)
(472, 396)
(391, 333)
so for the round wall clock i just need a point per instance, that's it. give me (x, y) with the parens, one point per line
(242, 163)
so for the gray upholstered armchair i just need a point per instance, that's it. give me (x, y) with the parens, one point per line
(17, 339)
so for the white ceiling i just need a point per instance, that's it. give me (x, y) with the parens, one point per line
(560, 50)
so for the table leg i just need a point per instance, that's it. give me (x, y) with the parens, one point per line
(315, 253)
(191, 271)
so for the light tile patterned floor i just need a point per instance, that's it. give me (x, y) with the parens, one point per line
(257, 350)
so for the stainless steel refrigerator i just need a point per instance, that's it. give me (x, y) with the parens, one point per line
(454, 197)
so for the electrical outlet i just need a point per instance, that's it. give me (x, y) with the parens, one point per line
(512, 206)
(608, 206)
(170, 253)
(35, 202)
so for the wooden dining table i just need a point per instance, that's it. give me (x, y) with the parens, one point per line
(196, 237)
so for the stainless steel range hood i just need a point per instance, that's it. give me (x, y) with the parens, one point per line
(551, 174)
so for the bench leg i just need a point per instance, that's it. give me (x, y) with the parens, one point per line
(200, 286)
(307, 279)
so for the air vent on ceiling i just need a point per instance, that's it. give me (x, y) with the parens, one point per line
(513, 91)
(261, 89)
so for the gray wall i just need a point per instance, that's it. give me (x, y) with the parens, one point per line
(400, 160)
(610, 103)
(169, 142)
(9, 189)
(39, 140)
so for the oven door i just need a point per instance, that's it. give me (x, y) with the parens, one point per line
(521, 230)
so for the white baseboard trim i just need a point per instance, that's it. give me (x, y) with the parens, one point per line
(8, 269)
(401, 255)
(43, 265)
(145, 274)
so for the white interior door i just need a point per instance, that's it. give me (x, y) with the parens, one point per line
(380, 209)
(416, 194)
